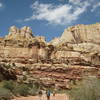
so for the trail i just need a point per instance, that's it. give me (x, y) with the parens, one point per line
(57, 97)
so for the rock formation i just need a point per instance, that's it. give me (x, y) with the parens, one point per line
(78, 45)
(80, 34)
(20, 45)
(24, 33)
(52, 62)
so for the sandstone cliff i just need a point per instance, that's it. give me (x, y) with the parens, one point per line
(59, 62)
(79, 34)
(78, 44)
(20, 46)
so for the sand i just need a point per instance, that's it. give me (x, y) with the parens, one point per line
(57, 97)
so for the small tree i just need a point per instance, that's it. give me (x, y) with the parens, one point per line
(5, 94)
(22, 90)
(9, 85)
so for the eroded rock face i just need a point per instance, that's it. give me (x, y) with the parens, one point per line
(80, 34)
(20, 45)
(79, 44)
(55, 62)
(13, 29)
(26, 32)
(17, 34)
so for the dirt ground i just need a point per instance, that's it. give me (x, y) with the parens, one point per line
(57, 97)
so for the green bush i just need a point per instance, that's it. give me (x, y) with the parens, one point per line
(22, 90)
(9, 85)
(5, 94)
(89, 89)
(33, 88)
(36, 85)
(33, 92)
(1, 77)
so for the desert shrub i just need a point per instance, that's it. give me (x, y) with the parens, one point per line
(6, 66)
(5, 94)
(30, 84)
(33, 91)
(89, 89)
(24, 77)
(9, 85)
(22, 90)
(36, 85)
(13, 64)
(1, 77)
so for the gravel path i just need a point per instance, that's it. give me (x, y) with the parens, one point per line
(57, 97)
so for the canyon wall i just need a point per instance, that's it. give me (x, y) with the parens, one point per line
(57, 63)
(78, 45)
(20, 45)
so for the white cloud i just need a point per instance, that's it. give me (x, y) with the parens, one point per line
(62, 14)
(95, 7)
(57, 14)
(75, 2)
(1, 5)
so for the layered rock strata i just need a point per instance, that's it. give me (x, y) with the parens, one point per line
(78, 44)
(20, 45)
(51, 62)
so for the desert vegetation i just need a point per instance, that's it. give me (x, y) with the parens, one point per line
(9, 89)
(88, 89)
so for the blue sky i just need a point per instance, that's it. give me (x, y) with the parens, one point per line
(47, 18)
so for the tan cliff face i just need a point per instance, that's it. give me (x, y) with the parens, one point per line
(78, 44)
(79, 34)
(20, 45)
(17, 34)
(59, 62)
